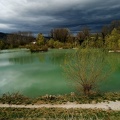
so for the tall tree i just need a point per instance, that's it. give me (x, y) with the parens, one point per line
(114, 24)
(40, 39)
(104, 32)
(60, 34)
(113, 40)
(83, 35)
(80, 37)
(19, 38)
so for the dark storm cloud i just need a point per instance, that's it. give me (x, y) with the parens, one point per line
(43, 15)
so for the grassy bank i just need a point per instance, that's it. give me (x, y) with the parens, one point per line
(57, 113)
(17, 98)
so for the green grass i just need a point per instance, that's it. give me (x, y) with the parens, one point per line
(55, 113)
(17, 98)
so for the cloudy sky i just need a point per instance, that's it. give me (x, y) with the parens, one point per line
(43, 15)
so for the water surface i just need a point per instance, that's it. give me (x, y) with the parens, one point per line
(40, 73)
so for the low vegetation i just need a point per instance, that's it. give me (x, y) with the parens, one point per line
(58, 114)
(17, 98)
(36, 48)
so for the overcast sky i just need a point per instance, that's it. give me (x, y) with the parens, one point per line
(43, 15)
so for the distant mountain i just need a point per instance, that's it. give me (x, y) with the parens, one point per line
(3, 35)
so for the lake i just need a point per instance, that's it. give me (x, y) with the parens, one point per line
(41, 73)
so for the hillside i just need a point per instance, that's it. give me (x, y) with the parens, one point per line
(3, 35)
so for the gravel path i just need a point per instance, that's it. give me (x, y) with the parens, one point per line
(106, 106)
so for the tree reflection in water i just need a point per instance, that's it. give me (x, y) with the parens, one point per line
(21, 59)
(54, 57)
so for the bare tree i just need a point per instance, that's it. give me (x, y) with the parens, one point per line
(87, 67)
(19, 38)
(80, 37)
(60, 34)
(83, 35)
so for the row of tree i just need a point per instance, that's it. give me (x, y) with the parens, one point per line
(109, 37)
(15, 40)
(62, 37)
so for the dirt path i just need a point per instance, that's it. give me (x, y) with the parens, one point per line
(106, 106)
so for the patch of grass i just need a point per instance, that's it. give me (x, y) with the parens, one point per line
(55, 113)
(80, 99)
(17, 98)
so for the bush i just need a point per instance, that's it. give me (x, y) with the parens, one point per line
(58, 44)
(36, 48)
(86, 68)
(15, 98)
(67, 46)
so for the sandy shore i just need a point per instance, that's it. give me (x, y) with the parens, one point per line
(104, 105)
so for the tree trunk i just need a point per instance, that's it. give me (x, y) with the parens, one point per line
(87, 88)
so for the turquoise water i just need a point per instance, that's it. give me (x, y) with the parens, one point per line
(40, 73)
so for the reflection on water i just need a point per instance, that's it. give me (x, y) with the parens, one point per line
(40, 73)
(21, 60)
(54, 57)
(33, 74)
(57, 58)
